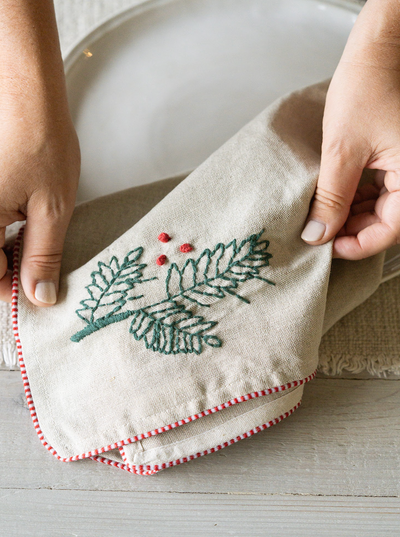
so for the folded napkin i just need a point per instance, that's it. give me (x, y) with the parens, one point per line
(182, 329)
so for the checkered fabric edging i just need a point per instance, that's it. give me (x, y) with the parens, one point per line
(96, 453)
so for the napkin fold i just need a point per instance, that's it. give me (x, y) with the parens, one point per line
(190, 311)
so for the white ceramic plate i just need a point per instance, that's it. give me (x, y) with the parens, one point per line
(157, 88)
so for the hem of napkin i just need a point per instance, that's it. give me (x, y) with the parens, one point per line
(164, 455)
(94, 454)
(148, 470)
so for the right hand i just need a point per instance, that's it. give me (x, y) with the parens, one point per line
(361, 129)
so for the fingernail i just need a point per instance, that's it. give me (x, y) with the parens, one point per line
(314, 231)
(46, 292)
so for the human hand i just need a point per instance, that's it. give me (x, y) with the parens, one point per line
(361, 129)
(39, 148)
(39, 172)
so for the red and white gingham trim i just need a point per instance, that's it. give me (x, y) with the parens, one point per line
(95, 454)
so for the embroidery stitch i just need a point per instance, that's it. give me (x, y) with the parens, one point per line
(167, 326)
(164, 237)
(185, 248)
(161, 259)
(110, 291)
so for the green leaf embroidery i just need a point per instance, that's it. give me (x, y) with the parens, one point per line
(172, 329)
(168, 326)
(219, 272)
(111, 288)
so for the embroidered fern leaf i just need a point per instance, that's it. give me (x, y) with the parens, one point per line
(171, 329)
(168, 326)
(218, 272)
(111, 288)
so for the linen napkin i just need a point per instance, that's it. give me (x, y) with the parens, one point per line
(182, 329)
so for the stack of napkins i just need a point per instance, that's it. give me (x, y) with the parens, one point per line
(190, 311)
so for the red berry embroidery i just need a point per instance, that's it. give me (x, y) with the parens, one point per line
(185, 248)
(161, 259)
(164, 237)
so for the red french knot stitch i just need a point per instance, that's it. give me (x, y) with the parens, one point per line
(164, 237)
(161, 259)
(185, 248)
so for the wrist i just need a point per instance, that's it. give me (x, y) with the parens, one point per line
(31, 65)
(375, 37)
(34, 99)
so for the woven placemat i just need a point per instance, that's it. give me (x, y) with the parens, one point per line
(367, 338)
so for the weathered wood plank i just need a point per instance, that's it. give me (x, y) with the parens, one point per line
(62, 512)
(343, 440)
(342, 375)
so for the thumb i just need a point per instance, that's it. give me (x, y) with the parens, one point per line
(41, 257)
(334, 194)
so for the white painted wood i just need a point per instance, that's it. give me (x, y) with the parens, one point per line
(363, 375)
(104, 514)
(343, 440)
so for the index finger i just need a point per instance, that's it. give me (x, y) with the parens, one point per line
(371, 240)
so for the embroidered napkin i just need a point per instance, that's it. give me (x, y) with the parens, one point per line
(182, 329)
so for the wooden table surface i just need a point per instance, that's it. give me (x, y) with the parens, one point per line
(330, 469)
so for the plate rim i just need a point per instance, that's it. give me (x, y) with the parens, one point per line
(98, 30)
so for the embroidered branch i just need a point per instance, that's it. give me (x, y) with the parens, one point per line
(111, 288)
(168, 326)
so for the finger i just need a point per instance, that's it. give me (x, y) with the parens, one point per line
(42, 252)
(380, 178)
(392, 181)
(357, 223)
(369, 241)
(336, 187)
(363, 207)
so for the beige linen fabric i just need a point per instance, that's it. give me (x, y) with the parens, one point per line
(112, 382)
